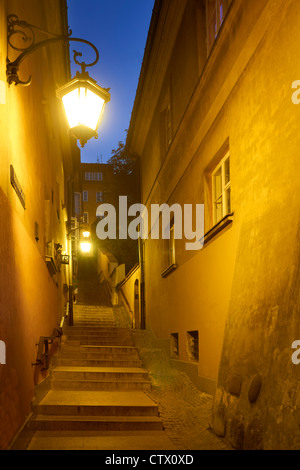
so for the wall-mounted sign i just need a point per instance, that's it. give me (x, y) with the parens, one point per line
(65, 259)
(16, 185)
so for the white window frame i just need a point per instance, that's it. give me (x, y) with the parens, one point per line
(221, 199)
(85, 218)
(89, 176)
(85, 196)
(99, 196)
(98, 176)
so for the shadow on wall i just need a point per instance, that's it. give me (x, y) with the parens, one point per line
(26, 314)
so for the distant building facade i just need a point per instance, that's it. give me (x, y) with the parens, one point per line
(214, 124)
(98, 184)
(96, 187)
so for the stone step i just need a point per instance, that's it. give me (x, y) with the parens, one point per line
(75, 403)
(94, 316)
(94, 423)
(120, 336)
(100, 342)
(96, 331)
(101, 440)
(78, 330)
(99, 373)
(98, 363)
(97, 349)
(95, 322)
(86, 356)
(100, 385)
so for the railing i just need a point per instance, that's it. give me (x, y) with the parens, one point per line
(127, 306)
(43, 353)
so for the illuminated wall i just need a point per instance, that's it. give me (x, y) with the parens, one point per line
(240, 293)
(33, 208)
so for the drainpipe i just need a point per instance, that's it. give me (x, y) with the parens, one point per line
(142, 284)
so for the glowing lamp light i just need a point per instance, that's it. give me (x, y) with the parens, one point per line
(85, 247)
(84, 103)
(86, 234)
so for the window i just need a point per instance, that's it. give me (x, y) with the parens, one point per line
(169, 258)
(88, 176)
(172, 260)
(85, 218)
(174, 345)
(193, 346)
(85, 196)
(77, 204)
(215, 14)
(167, 127)
(99, 196)
(221, 190)
(98, 176)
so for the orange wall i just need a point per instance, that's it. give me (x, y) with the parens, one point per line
(29, 309)
(34, 139)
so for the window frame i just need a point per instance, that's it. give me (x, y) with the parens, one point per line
(101, 198)
(225, 189)
(213, 14)
(99, 176)
(77, 203)
(85, 218)
(85, 196)
(88, 176)
(167, 126)
(170, 251)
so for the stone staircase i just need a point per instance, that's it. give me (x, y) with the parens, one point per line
(97, 398)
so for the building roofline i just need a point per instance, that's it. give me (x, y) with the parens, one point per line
(148, 48)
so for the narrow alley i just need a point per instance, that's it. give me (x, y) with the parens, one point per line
(102, 397)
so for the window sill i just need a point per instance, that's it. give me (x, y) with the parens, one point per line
(168, 271)
(219, 227)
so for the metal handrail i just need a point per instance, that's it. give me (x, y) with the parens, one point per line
(43, 348)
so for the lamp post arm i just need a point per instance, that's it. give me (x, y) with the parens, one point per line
(13, 66)
(73, 230)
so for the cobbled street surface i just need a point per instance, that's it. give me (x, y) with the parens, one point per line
(185, 410)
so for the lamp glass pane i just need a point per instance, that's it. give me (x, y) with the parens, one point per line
(83, 107)
(85, 247)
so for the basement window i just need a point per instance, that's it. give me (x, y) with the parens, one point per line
(174, 345)
(192, 346)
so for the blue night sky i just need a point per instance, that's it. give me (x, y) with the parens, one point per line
(119, 29)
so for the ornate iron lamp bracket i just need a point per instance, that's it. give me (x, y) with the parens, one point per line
(26, 33)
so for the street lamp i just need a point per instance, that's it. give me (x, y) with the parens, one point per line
(85, 244)
(83, 99)
(84, 102)
(85, 247)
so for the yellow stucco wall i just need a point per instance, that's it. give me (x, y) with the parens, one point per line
(241, 292)
(34, 140)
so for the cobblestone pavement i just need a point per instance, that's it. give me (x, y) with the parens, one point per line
(185, 412)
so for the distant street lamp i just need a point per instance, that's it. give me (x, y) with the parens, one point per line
(85, 244)
(85, 247)
(83, 100)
